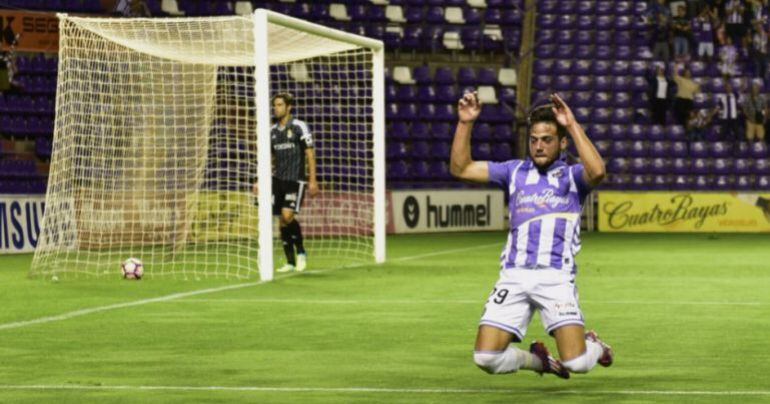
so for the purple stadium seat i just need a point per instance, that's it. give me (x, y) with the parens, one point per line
(720, 149)
(420, 150)
(407, 112)
(565, 21)
(603, 147)
(761, 166)
(405, 93)
(543, 67)
(600, 67)
(545, 51)
(639, 165)
(583, 83)
(482, 132)
(638, 84)
(399, 130)
(565, 51)
(604, 23)
(493, 16)
(742, 148)
(604, 52)
(662, 182)
(420, 170)
(447, 93)
(619, 149)
(621, 115)
(722, 166)
(603, 37)
(562, 67)
(623, 23)
(466, 76)
(703, 182)
(599, 131)
(420, 131)
(582, 114)
(660, 165)
(724, 182)
(440, 150)
(562, 83)
(508, 95)
(444, 75)
(605, 8)
(620, 68)
(639, 148)
(414, 14)
(585, 22)
(439, 170)
(412, 39)
(482, 151)
(502, 152)
(426, 93)
(759, 150)
(512, 17)
(486, 76)
(763, 182)
(699, 150)
(435, 15)
(618, 165)
(681, 165)
(584, 38)
(426, 112)
(603, 83)
(396, 150)
(503, 133)
(684, 182)
(621, 99)
(548, 6)
(742, 166)
(582, 67)
(679, 149)
(702, 166)
(442, 130)
(472, 16)
(744, 183)
(445, 112)
(585, 7)
(635, 132)
(547, 21)
(601, 115)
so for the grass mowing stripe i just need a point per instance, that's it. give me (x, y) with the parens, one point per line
(392, 390)
(176, 296)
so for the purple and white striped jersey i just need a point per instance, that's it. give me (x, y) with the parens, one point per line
(545, 213)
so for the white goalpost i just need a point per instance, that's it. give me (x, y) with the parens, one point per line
(163, 127)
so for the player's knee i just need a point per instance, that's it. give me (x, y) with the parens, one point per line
(488, 361)
(581, 364)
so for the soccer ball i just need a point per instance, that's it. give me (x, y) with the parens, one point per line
(132, 268)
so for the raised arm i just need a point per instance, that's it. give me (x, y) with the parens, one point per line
(594, 171)
(461, 164)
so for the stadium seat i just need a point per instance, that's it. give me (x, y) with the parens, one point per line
(414, 15)
(171, 7)
(452, 41)
(395, 14)
(403, 75)
(243, 8)
(339, 12)
(487, 95)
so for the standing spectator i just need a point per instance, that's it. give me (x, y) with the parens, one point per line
(734, 10)
(661, 88)
(699, 122)
(662, 37)
(754, 107)
(685, 94)
(704, 26)
(728, 55)
(682, 31)
(758, 50)
(728, 112)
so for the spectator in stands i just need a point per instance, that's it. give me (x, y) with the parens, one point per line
(704, 26)
(681, 29)
(698, 122)
(686, 89)
(8, 68)
(758, 10)
(728, 56)
(734, 10)
(728, 112)
(660, 90)
(754, 107)
(133, 8)
(758, 49)
(662, 37)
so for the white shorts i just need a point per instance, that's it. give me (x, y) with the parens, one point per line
(520, 292)
(706, 48)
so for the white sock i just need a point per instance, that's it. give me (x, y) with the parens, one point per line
(508, 361)
(586, 361)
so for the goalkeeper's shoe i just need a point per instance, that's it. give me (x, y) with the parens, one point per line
(301, 262)
(550, 365)
(285, 268)
(607, 354)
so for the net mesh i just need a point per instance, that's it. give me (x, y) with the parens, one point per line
(155, 147)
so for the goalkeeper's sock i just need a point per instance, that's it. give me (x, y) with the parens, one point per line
(288, 246)
(296, 233)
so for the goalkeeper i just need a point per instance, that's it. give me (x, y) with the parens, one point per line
(292, 146)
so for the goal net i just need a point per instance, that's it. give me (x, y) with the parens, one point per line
(162, 129)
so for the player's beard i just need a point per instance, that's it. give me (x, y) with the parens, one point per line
(547, 163)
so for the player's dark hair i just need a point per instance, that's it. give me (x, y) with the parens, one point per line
(544, 114)
(287, 98)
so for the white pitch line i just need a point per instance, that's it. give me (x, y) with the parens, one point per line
(390, 390)
(181, 295)
(475, 302)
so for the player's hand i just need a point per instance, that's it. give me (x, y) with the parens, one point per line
(313, 189)
(469, 107)
(564, 115)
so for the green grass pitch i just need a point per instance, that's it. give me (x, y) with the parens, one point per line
(688, 317)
